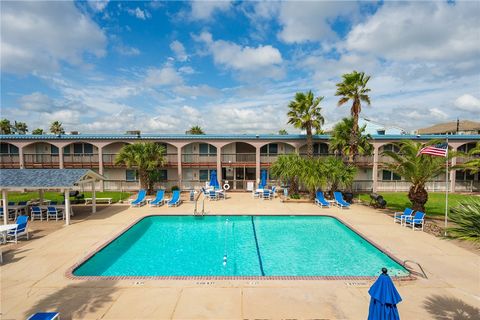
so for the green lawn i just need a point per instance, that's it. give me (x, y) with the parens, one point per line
(398, 201)
(57, 196)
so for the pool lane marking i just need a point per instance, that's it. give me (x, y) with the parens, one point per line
(258, 248)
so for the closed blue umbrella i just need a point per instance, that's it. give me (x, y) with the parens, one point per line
(263, 178)
(384, 299)
(213, 179)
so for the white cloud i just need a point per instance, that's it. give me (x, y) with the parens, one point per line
(127, 51)
(40, 35)
(311, 21)
(468, 102)
(186, 70)
(203, 10)
(434, 31)
(179, 50)
(166, 76)
(266, 59)
(139, 13)
(36, 102)
(98, 5)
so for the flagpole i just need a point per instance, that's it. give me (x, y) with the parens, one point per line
(446, 189)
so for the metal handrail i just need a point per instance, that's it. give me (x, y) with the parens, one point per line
(423, 274)
(195, 211)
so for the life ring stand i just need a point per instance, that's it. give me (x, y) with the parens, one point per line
(226, 187)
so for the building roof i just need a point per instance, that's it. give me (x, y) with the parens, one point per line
(183, 137)
(442, 128)
(46, 178)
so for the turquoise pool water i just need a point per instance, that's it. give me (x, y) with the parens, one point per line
(239, 246)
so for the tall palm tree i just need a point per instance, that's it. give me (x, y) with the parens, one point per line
(5, 126)
(340, 141)
(56, 127)
(20, 127)
(354, 88)
(416, 169)
(473, 163)
(305, 113)
(288, 168)
(145, 157)
(195, 130)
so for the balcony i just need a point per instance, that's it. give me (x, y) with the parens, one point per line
(109, 160)
(9, 161)
(41, 161)
(83, 160)
(190, 160)
(238, 159)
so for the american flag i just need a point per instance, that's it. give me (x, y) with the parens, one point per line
(439, 150)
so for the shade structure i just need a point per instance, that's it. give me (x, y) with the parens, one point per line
(384, 299)
(214, 180)
(263, 178)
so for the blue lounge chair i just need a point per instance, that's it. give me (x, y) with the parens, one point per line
(44, 316)
(36, 212)
(158, 201)
(52, 213)
(320, 200)
(175, 200)
(212, 195)
(21, 229)
(339, 200)
(140, 199)
(419, 218)
(400, 216)
(22, 203)
(53, 203)
(274, 191)
(267, 194)
(11, 203)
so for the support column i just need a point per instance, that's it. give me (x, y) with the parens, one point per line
(67, 206)
(94, 198)
(41, 195)
(452, 175)
(21, 158)
(100, 167)
(179, 166)
(375, 169)
(60, 157)
(5, 206)
(257, 166)
(219, 167)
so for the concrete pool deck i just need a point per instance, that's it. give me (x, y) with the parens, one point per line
(33, 277)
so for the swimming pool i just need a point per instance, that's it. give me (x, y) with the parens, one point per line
(226, 246)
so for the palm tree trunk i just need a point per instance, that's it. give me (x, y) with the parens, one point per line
(144, 180)
(418, 196)
(309, 142)
(293, 189)
(353, 140)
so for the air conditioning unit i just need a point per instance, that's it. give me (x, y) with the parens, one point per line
(133, 132)
(74, 133)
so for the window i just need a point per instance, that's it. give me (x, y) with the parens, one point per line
(271, 148)
(204, 175)
(53, 150)
(381, 132)
(390, 176)
(391, 147)
(207, 149)
(77, 148)
(13, 149)
(66, 150)
(131, 175)
(87, 148)
(464, 176)
(320, 148)
(162, 175)
(4, 148)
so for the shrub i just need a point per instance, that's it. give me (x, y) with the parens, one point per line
(175, 188)
(467, 219)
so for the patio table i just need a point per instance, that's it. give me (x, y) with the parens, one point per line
(18, 208)
(5, 228)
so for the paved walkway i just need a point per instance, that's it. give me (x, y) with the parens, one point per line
(34, 279)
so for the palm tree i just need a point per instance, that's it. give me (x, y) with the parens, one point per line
(473, 163)
(313, 175)
(38, 131)
(340, 141)
(288, 168)
(467, 220)
(146, 157)
(305, 114)
(282, 132)
(56, 128)
(354, 87)
(20, 127)
(338, 174)
(5, 126)
(195, 130)
(416, 169)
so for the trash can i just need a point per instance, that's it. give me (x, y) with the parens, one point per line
(192, 195)
(285, 192)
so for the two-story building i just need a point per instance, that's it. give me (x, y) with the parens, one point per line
(238, 158)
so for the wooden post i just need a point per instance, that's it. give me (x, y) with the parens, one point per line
(94, 198)
(67, 207)
(5, 206)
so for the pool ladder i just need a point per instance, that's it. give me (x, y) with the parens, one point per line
(422, 273)
(195, 211)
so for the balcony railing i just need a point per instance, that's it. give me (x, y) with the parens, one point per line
(109, 160)
(239, 158)
(37, 160)
(190, 159)
(83, 160)
(9, 161)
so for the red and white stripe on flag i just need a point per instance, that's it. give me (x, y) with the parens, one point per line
(434, 151)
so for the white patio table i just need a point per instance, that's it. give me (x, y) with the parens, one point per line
(5, 228)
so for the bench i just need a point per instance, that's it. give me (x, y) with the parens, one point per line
(98, 200)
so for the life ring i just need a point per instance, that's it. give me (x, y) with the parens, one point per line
(226, 187)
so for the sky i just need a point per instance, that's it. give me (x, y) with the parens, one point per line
(232, 67)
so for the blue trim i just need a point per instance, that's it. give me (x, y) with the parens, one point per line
(258, 248)
(149, 136)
